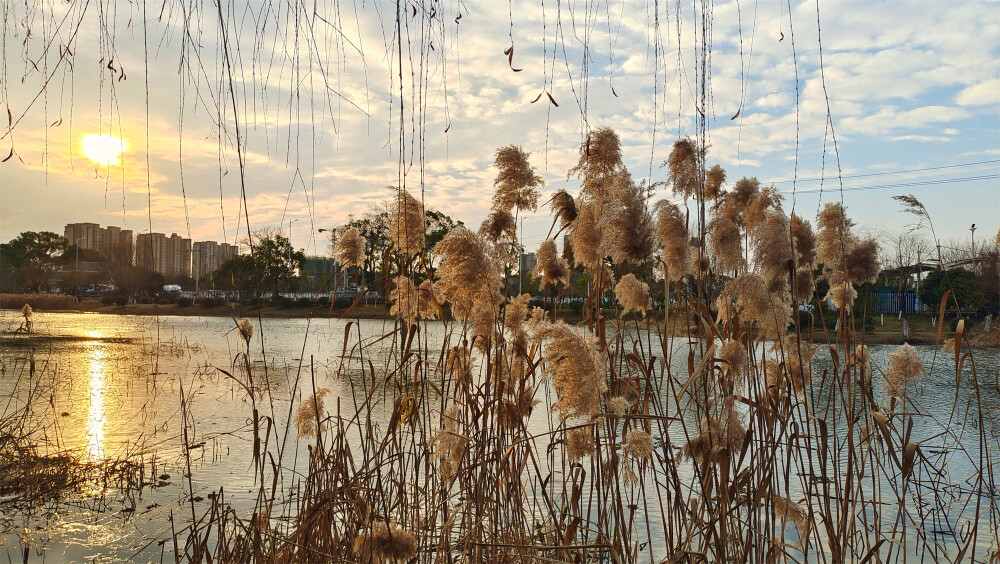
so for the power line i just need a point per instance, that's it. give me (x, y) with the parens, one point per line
(870, 174)
(906, 184)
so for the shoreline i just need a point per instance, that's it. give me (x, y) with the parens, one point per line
(381, 312)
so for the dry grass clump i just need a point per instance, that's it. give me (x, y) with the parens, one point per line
(550, 267)
(350, 248)
(861, 262)
(633, 294)
(576, 369)
(904, 367)
(834, 236)
(385, 543)
(470, 275)
(803, 241)
(747, 297)
(37, 301)
(671, 230)
(406, 223)
(516, 181)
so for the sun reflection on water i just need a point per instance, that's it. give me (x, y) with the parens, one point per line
(97, 415)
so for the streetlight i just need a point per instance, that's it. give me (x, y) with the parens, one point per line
(520, 258)
(77, 245)
(290, 222)
(77, 273)
(973, 230)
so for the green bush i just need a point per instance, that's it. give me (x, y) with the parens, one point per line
(145, 300)
(287, 302)
(324, 301)
(303, 302)
(108, 300)
(185, 301)
(208, 302)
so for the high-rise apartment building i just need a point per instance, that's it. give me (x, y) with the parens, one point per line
(115, 243)
(209, 256)
(170, 256)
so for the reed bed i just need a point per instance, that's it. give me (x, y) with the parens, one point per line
(520, 438)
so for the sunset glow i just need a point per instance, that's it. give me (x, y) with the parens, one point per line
(103, 149)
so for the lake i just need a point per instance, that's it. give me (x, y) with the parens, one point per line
(110, 387)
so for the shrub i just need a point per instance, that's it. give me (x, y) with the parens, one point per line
(144, 300)
(108, 300)
(121, 301)
(164, 301)
(287, 302)
(303, 302)
(324, 301)
(37, 301)
(343, 302)
(208, 302)
(185, 301)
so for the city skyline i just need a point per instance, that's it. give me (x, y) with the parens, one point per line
(880, 111)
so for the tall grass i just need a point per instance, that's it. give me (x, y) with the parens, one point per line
(736, 435)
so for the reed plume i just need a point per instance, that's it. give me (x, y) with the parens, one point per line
(406, 223)
(469, 274)
(861, 262)
(385, 543)
(564, 208)
(671, 230)
(600, 161)
(834, 235)
(803, 240)
(576, 369)
(904, 367)
(245, 328)
(585, 238)
(682, 165)
(516, 181)
(499, 224)
(791, 512)
(714, 178)
(725, 241)
(638, 444)
(550, 267)
(350, 248)
(307, 413)
(633, 294)
(580, 443)
(627, 226)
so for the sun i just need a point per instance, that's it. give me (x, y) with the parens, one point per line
(103, 149)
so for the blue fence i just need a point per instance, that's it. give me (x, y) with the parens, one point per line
(891, 301)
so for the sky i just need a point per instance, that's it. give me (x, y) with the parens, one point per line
(311, 109)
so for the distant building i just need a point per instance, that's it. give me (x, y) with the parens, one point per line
(209, 256)
(527, 263)
(319, 273)
(115, 243)
(170, 256)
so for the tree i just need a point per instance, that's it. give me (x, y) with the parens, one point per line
(271, 262)
(374, 227)
(30, 258)
(967, 287)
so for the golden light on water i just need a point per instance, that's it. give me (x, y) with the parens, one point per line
(103, 149)
(97, 415)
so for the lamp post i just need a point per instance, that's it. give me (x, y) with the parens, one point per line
(77, 245)
(973, 231)
(520, 258)
(290, 222)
